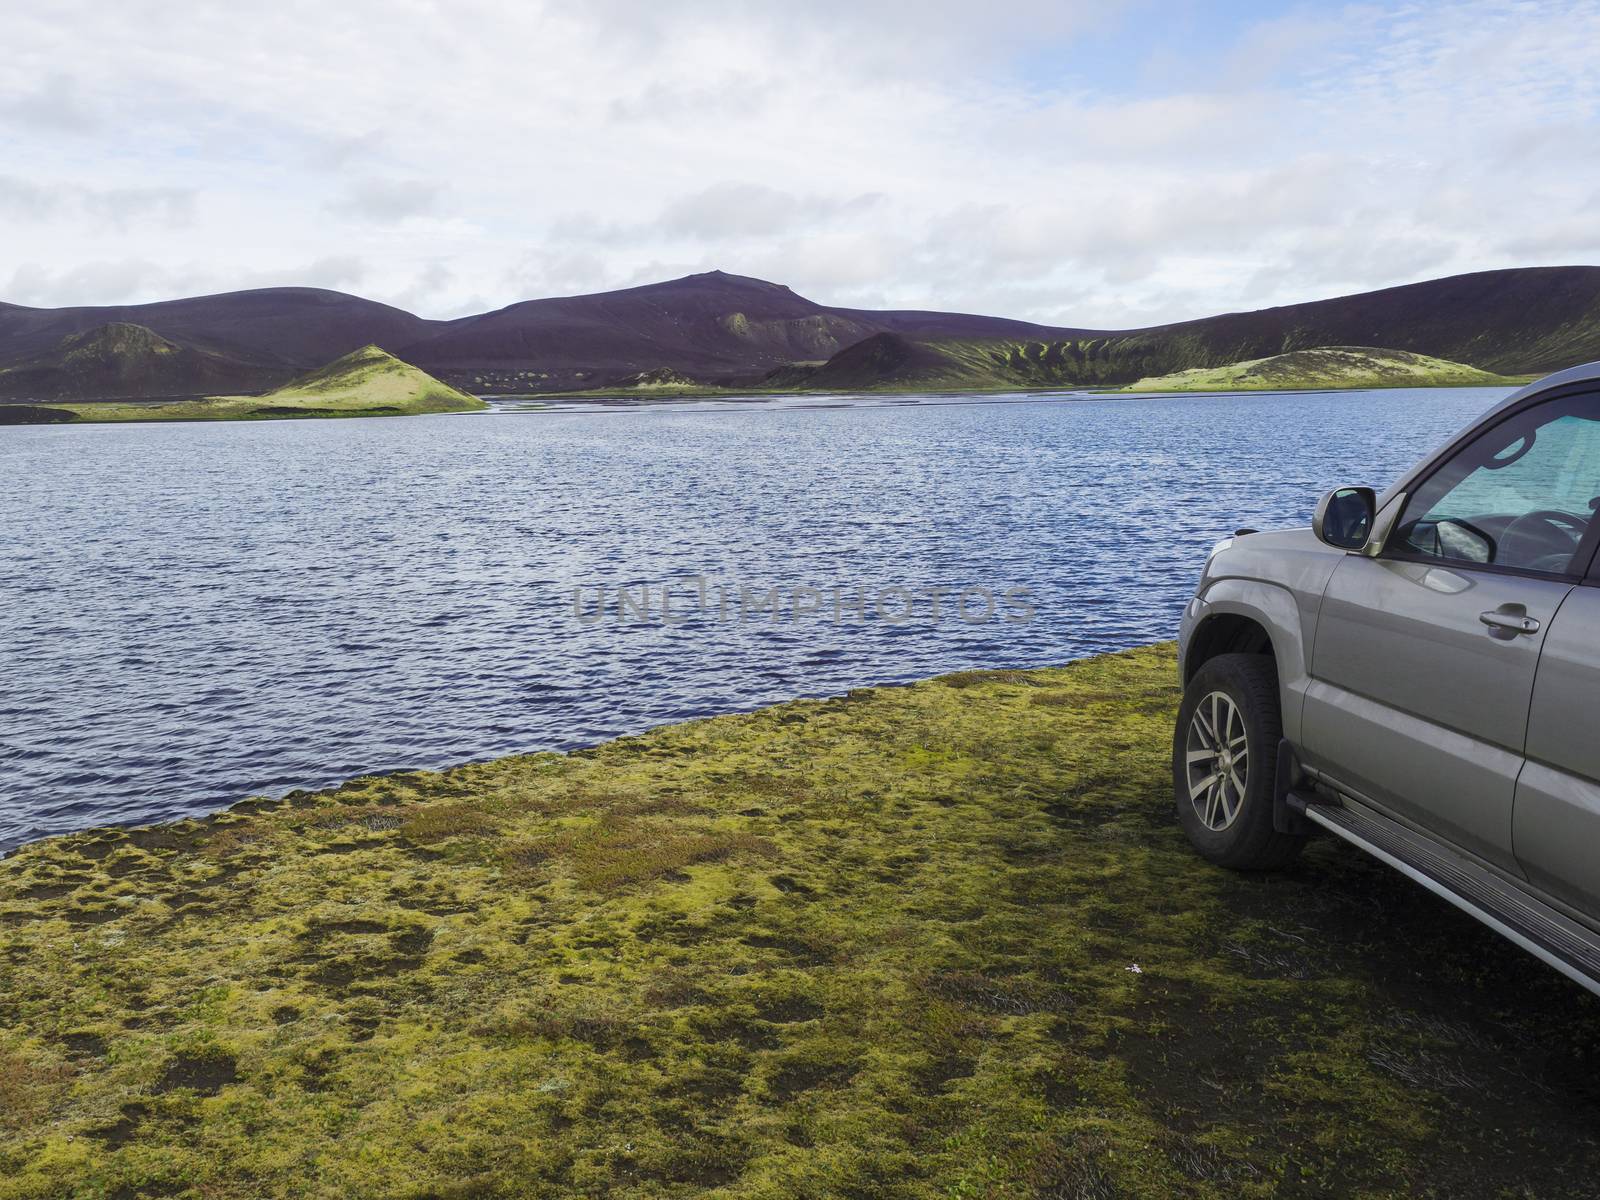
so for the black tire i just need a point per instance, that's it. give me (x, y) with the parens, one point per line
(1240, 836)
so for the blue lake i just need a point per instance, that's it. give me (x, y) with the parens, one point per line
(191, 614)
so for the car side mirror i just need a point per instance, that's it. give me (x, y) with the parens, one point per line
(1345, 516)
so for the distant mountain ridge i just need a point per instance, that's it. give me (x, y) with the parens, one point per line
(293, 327)
(731, 330)
(714, 327)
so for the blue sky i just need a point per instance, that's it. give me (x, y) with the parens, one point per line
(1136, 48)
(1106, 164)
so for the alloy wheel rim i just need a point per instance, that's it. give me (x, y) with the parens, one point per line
(1217, 761)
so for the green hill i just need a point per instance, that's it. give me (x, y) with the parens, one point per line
(1332, 367)
(368, 379)
(364, 383)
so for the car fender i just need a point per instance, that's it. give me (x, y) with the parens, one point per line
(1275, 608)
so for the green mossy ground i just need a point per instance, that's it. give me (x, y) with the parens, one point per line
(875, 946)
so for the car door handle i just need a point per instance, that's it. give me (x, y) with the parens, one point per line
(1508, 621)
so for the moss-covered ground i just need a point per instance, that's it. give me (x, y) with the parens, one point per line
(942, 940)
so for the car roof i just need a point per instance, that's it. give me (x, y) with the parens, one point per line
(1582, 373)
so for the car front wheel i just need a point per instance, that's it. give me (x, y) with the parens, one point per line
(1225, 763)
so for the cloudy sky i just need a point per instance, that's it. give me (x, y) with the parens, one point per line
(1079, 162)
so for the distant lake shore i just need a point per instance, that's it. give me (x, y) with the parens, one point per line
(602, 400)
(1326, 370)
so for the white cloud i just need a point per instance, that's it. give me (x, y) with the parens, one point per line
(126, 207)
(53, 106)
(119, 208)
(22, 200)
(107, 282)
(732, 210)
(1059, 160)
(389, 200)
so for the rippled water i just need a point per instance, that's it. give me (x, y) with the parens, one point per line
(190, 614)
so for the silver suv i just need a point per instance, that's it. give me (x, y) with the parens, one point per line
(1419, 674)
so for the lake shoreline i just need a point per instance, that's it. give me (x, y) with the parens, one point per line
(1064, 392)
(194, 410)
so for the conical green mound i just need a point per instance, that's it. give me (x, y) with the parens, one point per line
(371, 378)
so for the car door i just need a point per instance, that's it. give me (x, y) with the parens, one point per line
(1556, 823)
(1425, 657)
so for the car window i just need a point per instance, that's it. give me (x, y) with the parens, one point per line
(1522, 495)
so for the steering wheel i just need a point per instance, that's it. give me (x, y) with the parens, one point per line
(1544, 540)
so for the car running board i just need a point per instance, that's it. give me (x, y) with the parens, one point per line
(1539, 929)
